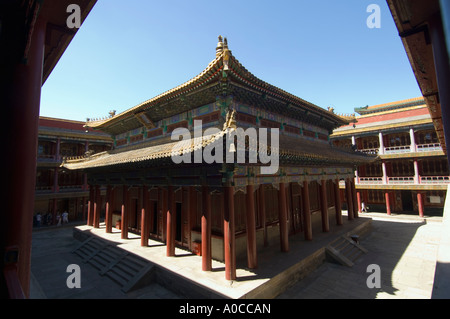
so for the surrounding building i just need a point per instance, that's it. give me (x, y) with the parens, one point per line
(424, 28)
(36, 35)
(59, 190)
(412, 172)
(220, 209)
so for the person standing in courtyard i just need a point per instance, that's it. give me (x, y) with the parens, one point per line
(363, 207)
(38, 219)
(65, 217)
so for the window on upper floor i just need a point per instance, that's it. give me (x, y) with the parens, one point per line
(399, 139)
(427, 137)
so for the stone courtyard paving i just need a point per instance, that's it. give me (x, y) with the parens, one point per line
(405, 247)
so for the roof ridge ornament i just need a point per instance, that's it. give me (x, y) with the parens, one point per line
(219, 48)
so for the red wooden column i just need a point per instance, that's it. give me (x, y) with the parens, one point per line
(83, 200)
(108, 209)
(306, 211)
(192, 211)
(358, 200)
(54, 210)
(171, 223)
(163, 200)
(356, 207)
(145, 216)
(56, 180)
(420, 203)
(348, 190)
(252, 260)
(262, 211)
(229, 234)
(20, 101)
(97, 206)
(206, 229)
(337, 202)
(282, 216)
(324, 206)
(124, 213)
(90, 214)
(388, 203)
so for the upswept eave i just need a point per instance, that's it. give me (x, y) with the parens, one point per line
(290, 150)
(224, 68)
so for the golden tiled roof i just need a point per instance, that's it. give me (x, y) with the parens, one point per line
(291, 149)
(225, 67)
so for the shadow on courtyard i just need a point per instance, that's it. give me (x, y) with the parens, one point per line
(386, 245)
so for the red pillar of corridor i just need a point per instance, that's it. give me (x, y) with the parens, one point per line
(124, 213)
(171, 223)
(145, 216)
(337, 203)
(388, 203)
(420, 203)
(349, 195)
(206, 229)
(282, 211)
(90, 213)
(307, 211)
(324, 206)
(20, 100)
(108, 208)
(356, 207)
(97, 206)
(229, 234)
(252, 261)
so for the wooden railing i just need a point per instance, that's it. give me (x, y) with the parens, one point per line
(400, 180)
(429, 147)
(435, 179)
(370, 151)
(397, 149)
(370, 180)
(404, 149)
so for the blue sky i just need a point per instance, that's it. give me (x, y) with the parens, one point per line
(322, 51)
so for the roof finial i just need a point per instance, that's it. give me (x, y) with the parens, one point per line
(219, 48)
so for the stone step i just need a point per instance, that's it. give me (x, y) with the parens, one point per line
(345, 250)
(127, 270)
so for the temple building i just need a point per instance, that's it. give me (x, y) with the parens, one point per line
(281, 182)
(412, 172)
(59, 190)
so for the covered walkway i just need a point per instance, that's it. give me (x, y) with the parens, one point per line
(273, 275)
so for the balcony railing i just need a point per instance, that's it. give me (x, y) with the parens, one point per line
(429, 147)
(60, 188)
(370, 151)
(403, 149)
(67, 188)
(435, 179)
(44, 188)
(370, 180)
(397, 149)
(400, 180)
